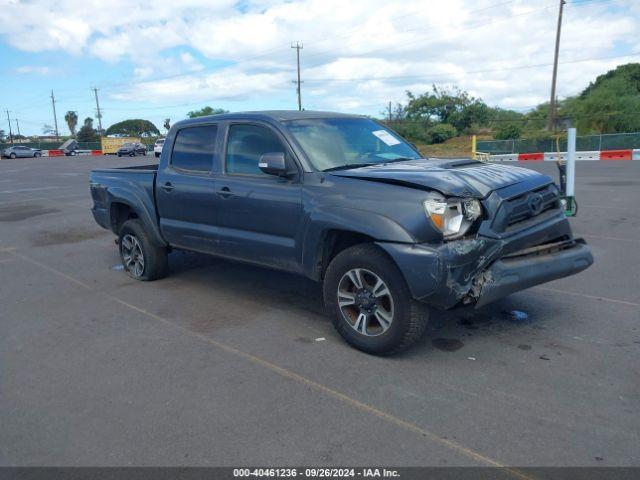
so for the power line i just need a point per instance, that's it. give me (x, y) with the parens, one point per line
(55, 117)
(552, 101)
(468, 72)
(10, 132)
(98, 113)
(298, 47)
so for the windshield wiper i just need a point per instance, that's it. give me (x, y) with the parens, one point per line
(348, 166)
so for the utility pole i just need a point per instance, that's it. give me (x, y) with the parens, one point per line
(298, 47)
(55, 118)
(18, 126)
(10, 132)
(98, 114)
(552, 100)
(390, 112)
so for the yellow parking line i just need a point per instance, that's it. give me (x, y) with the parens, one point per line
(357, 404)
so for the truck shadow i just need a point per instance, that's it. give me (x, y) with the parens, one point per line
(256, 288)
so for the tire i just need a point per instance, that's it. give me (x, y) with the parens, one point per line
(73, 154)
(13, 155)
(144, 154)
(156, 154)
(119, 155)
(134, 238)
(37, 154)
(408, 318)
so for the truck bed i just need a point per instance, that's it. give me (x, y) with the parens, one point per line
(130, 186)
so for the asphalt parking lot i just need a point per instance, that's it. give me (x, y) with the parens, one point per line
(228, 364)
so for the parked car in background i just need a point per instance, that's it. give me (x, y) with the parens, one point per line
(21, 151)
(157, 147)
(132, 149)
(347, 202)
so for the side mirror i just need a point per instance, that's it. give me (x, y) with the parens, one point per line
(273, 163)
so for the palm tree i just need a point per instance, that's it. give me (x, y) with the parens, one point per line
(71, 118)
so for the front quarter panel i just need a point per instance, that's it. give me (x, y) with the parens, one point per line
(386, 213)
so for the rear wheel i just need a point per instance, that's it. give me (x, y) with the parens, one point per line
(37, 154)
(370, 303)
(141, 259)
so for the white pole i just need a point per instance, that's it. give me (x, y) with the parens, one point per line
(571, 162)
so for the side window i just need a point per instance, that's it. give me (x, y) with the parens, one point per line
(194, 147)
(245, 145)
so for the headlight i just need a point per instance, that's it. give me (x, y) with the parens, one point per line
(452, 216)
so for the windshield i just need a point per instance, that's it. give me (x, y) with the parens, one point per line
(333, 143)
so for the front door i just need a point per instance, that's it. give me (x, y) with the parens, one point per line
(185, 189)
(259, 215)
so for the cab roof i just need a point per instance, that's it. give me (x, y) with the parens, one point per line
(273, 115)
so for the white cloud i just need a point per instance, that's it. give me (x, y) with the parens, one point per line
(350, 48)
(30, 69)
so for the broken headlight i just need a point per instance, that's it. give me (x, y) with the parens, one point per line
(452, 216)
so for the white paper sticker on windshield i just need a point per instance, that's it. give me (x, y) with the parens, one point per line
(386, 137)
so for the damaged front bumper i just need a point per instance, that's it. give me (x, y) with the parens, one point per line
(539, 265)
(484, 269)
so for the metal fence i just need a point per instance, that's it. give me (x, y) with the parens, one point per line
(585, 143)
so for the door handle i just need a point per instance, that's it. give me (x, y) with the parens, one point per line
(167, 187)
(225, 192)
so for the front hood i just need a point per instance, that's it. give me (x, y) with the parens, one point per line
(457, 177)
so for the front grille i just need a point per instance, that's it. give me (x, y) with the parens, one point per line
(523, 210)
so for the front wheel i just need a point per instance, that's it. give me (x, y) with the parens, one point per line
(142, 260)
(370, 303)
(13, 155)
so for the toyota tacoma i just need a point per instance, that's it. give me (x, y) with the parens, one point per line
(345, 201)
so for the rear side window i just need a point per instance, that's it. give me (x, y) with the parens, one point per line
(245, 146)
(194, 147)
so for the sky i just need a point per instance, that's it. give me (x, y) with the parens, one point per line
(162, 58)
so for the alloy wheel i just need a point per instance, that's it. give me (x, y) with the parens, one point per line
(132, 255)
(365, 302)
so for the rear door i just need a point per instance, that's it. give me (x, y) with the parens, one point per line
(259, 214)
(186, 186)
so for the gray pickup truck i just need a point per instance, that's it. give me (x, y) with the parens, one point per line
(347, 202)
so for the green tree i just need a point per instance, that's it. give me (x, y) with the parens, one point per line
(204, 111)
(87, 133)
(71, 118)
(133, 128)
(507, 131)
(442, 132)
(447, 105)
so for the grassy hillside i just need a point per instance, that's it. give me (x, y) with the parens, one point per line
(454, 147)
